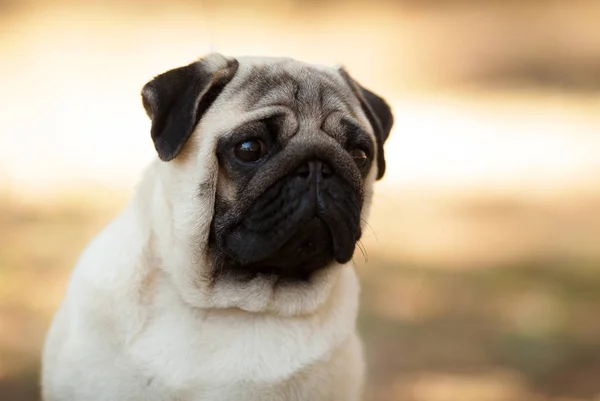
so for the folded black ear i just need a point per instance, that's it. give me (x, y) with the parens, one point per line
(176, 100)
(379, 114)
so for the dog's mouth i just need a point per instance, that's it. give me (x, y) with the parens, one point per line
(295, 252)
(309, 249)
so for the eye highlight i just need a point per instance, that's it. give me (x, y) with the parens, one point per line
(360, 157)
(250, 150)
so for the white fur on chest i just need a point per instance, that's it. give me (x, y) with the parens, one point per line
(186, 348)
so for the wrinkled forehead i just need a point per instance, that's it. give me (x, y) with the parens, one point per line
(307, 91)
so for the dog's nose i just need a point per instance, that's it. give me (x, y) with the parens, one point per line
(315, 170)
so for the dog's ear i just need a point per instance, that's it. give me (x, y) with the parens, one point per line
(176, 100)
(379, 114)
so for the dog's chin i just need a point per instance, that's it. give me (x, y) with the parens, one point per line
(293, 255)
(309, 249)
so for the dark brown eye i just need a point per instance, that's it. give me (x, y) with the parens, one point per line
(360, 157)
(250, 150)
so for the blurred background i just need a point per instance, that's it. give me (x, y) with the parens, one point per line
(481, 276)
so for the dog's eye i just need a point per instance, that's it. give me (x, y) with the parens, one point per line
(250, 150)
(360, 157)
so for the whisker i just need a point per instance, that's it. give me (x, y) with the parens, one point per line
(363, 250)
(370, 228)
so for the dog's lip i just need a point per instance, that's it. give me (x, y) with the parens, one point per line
(236, 240)
(282, 240)
(309, 248)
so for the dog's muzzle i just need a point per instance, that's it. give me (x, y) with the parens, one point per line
(300, 224)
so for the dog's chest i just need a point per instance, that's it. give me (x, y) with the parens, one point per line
(227, 355)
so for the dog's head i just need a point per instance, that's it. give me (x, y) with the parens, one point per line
(270, 164)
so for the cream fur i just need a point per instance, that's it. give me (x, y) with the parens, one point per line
(139, 322)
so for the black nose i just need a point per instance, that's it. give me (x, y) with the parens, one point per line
(314, 170)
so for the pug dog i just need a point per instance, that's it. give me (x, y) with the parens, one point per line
(228, 276)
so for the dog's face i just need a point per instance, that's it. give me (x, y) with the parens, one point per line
(271, 164)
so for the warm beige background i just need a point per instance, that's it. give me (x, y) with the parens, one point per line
(483, 273)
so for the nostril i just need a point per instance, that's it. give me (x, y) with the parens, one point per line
(303, 171)
(315, 169)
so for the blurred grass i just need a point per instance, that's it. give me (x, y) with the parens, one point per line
(533, 319)
(520, 331)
